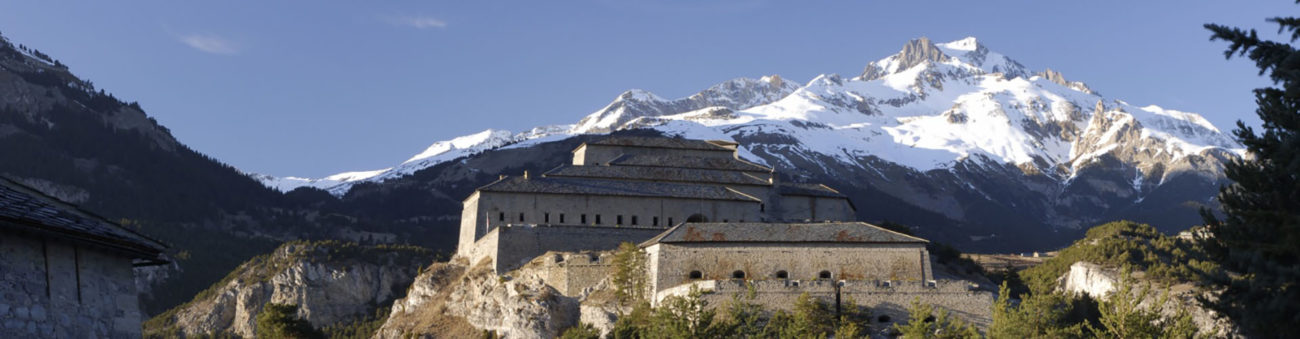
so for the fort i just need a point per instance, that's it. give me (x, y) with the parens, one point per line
(705, 219)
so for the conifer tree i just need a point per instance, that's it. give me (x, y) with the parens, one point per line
(1259, 235)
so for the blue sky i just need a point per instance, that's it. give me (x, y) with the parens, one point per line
(310, 88)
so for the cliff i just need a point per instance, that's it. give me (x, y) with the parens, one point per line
(1099, 281)
(331, 282)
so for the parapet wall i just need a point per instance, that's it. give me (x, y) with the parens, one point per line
(887, 301)
(515, 245)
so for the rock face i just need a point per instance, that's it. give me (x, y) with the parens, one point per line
(1099, 281)
(1091, 279)
(451, 300)
(329, 281)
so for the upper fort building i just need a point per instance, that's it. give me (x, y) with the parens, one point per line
(629, 189)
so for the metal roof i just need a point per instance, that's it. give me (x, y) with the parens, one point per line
(663, 142)
(25, 209)
(815, 190)
(757, 232)
(689, 162)
(669, 174)
(589, 186)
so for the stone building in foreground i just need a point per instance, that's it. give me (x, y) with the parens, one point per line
(64, 272)
(629, 189)
(831, 261)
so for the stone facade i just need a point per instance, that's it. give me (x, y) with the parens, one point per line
(627, 189)
(887, 301)
(65, 273)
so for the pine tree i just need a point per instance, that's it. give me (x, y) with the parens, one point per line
(1258, 235)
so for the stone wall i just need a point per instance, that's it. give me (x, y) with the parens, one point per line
(799, 208)
(54, 289)
(517, 244)
(671, 264)
(485, 211)
(887, 301)
(571, 273)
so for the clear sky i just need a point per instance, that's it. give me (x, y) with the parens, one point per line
(309, 88)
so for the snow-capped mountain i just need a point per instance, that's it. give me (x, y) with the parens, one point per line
(954, 133)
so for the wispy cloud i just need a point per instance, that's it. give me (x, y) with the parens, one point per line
(211, 43)
(419, 22)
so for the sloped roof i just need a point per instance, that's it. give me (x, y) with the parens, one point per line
(663, 142)
(689, 162)
(757, 232)
(815, 190)
(26, 209)
(670, 174)
(589, 186)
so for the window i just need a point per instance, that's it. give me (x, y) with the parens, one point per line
(726, 220)
(546, 217)
(521, 217)
(654, 221)
(782, 274)
(697, 218)
(598, 219)
(670, 221)
(561, 218)
(883, 319)
(618, 219)
(824, 275)
(738, 274)
(762, 207)
(584, 219)
(501, 216)
(634, 220)
(696, 275)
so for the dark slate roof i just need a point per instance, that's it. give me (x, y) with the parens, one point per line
(756, 232)
(731, 164)
(815, 190)
(26, 209)
(662, 142)
(614, 188)
(671, 174)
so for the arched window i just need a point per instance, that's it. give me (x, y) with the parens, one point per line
(824, 275)
(696, 275)
(883, 319)
(738, 274)
(782, 274)
(697, 218)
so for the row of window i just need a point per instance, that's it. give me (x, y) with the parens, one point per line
(740, 274)
(618, 219)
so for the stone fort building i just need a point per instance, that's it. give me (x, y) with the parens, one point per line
(629, 189)
(705, 219)
(64, 272)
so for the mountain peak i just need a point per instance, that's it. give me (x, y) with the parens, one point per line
(914, 52)
(965, 44)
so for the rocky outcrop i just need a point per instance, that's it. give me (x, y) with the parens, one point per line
(451, 300)
(1099, 282)
(330, 282)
